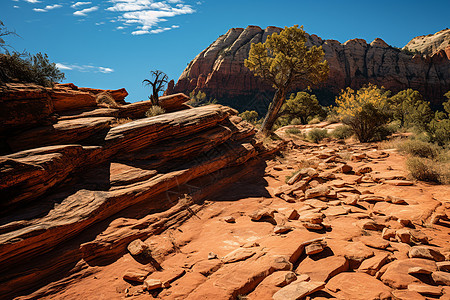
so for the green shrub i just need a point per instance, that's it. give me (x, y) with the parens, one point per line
(316, 135)
(292, 130)
(342, 132)
(250, 116)
(315, 120)
(422, 169)
(296, 121)
(155, 110)
(27, 68)
(419, 148)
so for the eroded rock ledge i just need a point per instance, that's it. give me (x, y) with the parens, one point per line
(72, 162)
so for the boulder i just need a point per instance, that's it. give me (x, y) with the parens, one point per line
(298, 290)
(358, 286)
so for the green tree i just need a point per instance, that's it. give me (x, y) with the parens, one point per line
(302, 106)
(439, 127)
(250, 116)
(409, 108)
(285, 60)
(365, 111)
(158, 83)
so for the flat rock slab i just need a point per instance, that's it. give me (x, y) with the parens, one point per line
(63, 132)
(374, 242)
(238, 254)
(396, 274)
(323, 269)
(372, 265)
(358, 286)
(407, 295)
(298, 290)
(425, 289)
(425, 252)
(272, 283)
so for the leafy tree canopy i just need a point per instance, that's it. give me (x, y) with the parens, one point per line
(285, 60)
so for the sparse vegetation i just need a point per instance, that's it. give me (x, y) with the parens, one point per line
(106, 100)
(284, 60)
(200, 99)
(155, 110)
(342, 132)
(293, 130)
(419, 148)
(25, 67)
(316, 135)
(422, 169)
(158, 83)
(250, 116)
(365, 111)
(303, 107)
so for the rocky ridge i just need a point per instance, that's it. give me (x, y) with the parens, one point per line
(346, 224)
(219, 69)
(77, 171)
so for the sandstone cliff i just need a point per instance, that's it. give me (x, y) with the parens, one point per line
(431, 44)
(70, 163)
(219, 69)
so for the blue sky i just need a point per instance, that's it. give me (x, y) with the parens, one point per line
(112, 44)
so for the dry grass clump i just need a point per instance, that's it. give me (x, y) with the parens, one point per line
(429, 170)
(342, 132)
(155, 110)
(104, 99)
(419, 148)
(316, 135)
(120, 121)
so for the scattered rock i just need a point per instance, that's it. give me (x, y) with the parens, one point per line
(135, 275)
(442, 278)
(314, 218)
(324, 268)
(403, 235)
(421, 270)
(396, 274)
(407, 295)
(388, 233)
(425, 252)
(374, 242)
(238, 254)
(425, 289)
(346, 169)
(229, 219)
(358, 286)
(405, 222)
(396, 200)
(352, 200)
(282, 229)
(298, 290)
(363, 170)
(443, 266)
(372, 265)
(137, 247)
(262, 213)
(319, 191)
(312, 226)
(398, 182)
(314, 248)
(152, 284)
(166, 276)
(292, 214)
(369, 224)
(212, 255)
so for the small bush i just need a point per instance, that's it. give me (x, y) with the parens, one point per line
(314, 120)
(419, 148)
(250, 116)
(106, 100)
(342, 132)
(316, 135)
(422, 169)
(293, 130)
(155, 110)
(24, 67)
(296, 121)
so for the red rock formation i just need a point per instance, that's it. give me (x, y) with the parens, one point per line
(219, 69)
(54, 190)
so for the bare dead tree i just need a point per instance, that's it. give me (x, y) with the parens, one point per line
(158, 82)
(4, 32)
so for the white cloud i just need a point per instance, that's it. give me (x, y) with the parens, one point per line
(147, 14)
(79, 4)
(83, 68)
(33, 1)
(105, 70)
(47, 8)
(63, 67)
(120, 27)
(15, 6)
(154, 31)
(85, 11)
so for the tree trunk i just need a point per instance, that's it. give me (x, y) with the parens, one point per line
(272, 113)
